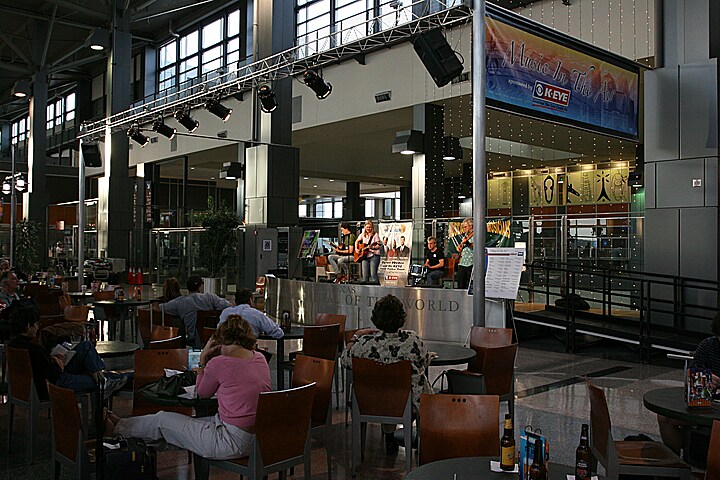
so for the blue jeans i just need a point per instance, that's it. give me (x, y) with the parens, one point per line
(370, 268)
(434, 276)
(77, 373)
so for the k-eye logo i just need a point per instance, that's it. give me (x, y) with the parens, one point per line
(551, 93)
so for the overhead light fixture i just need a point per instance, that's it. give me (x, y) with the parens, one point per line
(160, 127)
(183, 117)
(135, 133)
(317, 84)
(232, 171)
(635, 179)
(6, 187)
(268, 100)
(408, 142)
(20, 182)
(452, 149)
(98, 40)
(218, 109)
(21, 88)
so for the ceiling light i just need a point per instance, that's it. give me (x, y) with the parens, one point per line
(20, 183)
(192, 168)
(183, 117)
(98, 40)
(160, 127)
(321, 88)
(408, 142)
(21, 88)
(452, 149)
(401, 177)
(268, 101)
(6, 187)
(461, 197)
(135, 133)
(232, 171)
(218, 109)
(331, 180)
(305, 178)
(314, 186)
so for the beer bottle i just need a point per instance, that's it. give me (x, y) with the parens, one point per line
(582, 456)
(537, 470)
(507, 446)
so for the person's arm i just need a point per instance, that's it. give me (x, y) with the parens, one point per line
(271, 328)
(207, 382)
(440, 264)
(219, 303)
(170, 307)
(379, 245)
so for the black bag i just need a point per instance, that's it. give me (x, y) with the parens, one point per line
(129, 458)
(169, 387)
(574, 300)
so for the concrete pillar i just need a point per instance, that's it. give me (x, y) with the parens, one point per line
(352, 206)
(5, 131)
(428, 171)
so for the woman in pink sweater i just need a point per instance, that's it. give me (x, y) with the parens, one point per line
(229, 367)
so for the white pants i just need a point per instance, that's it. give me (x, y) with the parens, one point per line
(209, 437)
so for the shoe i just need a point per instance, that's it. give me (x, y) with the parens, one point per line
(391, 445)
(113, 384)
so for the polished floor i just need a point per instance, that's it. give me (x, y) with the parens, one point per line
(551, 396)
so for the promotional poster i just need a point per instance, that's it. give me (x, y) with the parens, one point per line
(397, 245)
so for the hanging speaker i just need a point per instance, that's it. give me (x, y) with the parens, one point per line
(438, 56)
(91, 155)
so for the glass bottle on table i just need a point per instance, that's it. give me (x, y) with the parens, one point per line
(583, 456)
(507, 446)
(537, 470)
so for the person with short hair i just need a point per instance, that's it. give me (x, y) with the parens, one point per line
(343, 252)
(402, 250)
(229, 367)
(260, 323)
(8, 289)
(434, 262)
(187, 306)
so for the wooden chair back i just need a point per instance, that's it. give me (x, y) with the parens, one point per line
(47, 320)
(72, 284)
(161, 332)
(499, 369)
(455, 426)
(64, 301)
(77, 313)
(66, 422)
(150, 365)
(104, 295)
(330, 319)
(208, 318)
(713, 456)
(600, 426)
(205, 333)
(449, 270)
(166, 343)
(484, 337)
(463, 382)
(321, 341)
(20, 375)
(36, 291)
(145, 324)
(381, 389)
(319, 371)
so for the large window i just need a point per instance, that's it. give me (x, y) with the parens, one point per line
(19, 130)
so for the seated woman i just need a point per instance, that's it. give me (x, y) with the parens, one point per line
(170, 290)
(79, 370)
(391, 345)
(230, 368)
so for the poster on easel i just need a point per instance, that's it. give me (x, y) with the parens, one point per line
(503, 267)
(395, 260)
(309, 243)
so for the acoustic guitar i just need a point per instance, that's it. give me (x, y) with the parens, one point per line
(362, 249)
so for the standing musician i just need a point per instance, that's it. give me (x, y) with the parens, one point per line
(435, 262)
(343, 252)
(367, 248)
(466, 254)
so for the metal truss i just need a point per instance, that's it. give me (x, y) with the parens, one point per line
(282, 65)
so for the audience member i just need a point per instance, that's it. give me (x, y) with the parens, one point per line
(171, 290)
(259, 322)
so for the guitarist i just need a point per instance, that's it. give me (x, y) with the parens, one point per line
(343, 252)
(367, 251)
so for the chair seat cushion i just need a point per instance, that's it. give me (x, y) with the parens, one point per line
(647, 453)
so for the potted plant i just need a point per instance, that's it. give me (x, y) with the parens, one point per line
(217, 244)
(27, 235)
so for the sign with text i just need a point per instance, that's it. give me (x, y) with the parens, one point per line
(397, 245)
(504, 267)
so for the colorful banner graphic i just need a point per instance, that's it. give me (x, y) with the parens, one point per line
(309, 243)
(541, 76)
(497, 234)
(397, 247)
(543, 190)
(499, 192)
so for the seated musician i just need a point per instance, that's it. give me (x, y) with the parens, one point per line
(434, 262)
(343, 252)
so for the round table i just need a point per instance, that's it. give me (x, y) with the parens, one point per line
(113, 348)
(80, 297)
(476, 468)
(448, 354)
(125, 305)
(670, 402)
(295, 333)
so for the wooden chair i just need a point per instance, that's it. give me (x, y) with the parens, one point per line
(463, 382)
(713, 456)
(64, 301)
(205, 333)
(495, 360)
(650, 459)
(319, 341)
(160, 332)
(167, 343)
(72, 284)
(35, 290)
(208, 318)
(382, 394)
(331, 319)
(77, 313)
(486, 337)
(449, 275)
(69, 446)
(455, 426)
(150, 365)
(145, 324)
(319, 371)
(282, 438)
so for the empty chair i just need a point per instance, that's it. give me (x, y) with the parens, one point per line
(150, 365)
(381, 394)
(318, 341)
(167, 343)
(331, 319)
(145, 324)
(69, 445)
(456, 426)
(462, 382)
(713, 456)
(208, 318)
(498, 370)
(161, 332)
(486, 337)
(77, 313)
(651, 459)
(281, 440)
(106, 313)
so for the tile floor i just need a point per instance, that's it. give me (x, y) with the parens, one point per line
(551, 397)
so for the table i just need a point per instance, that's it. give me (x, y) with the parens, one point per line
(114, 348)
(448, 354)
(477, 468)
(670, 402)
(126, 304)
(204, 407)
(295, 333)
(79, 298)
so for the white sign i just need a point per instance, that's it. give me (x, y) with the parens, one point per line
(504, 267)
(395, 261)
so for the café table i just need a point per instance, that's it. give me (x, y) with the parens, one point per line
(128, 304)
(80, 298)
(204, 407)
(477, 468)
(448, 354)
(670, 402)
(295, 333)
(115, 348)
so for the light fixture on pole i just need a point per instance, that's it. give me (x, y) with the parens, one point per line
(98, 40)
(218, 109)
(266, 95)
(232, 171)
(160, 127)
(452, 149)
(408, 142)
(183, 117)
(135, 134)
(21, 89)
(317, 84)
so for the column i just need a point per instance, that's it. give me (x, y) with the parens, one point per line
(352, 206)
(5, 133)
(428, 171)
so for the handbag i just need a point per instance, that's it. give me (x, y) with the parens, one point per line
(169, 387)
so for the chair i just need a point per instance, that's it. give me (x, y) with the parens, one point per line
(495, 360)
(205, 333)
(207, 318)
(77, 313)
(462, 382)
(69, 446)
(485, 337)
(319, 341)
(713, 456)
(160, 332)
(321, 268)
(145, 324)
(167, 343)
(381, 393)
(150, 365)
(331, 319)
(281, 440)
(319, 371)
(449, 275)
(107, 314)
(651, 459)
(455, 426)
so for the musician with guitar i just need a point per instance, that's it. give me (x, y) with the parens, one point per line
(343, 252)
(367, 252)
(465, 247)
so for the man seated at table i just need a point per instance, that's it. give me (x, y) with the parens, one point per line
(343, 252)
(8, 294)
(79, 369)
(260, 323)
(707, 355)
(187, 306)
(434, 262)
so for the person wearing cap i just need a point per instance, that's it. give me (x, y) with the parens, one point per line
(187, 306)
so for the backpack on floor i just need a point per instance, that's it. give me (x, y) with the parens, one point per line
(128, 458)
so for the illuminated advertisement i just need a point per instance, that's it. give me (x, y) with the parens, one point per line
(550, 80)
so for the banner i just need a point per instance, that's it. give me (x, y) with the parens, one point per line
(397, 245)
(497, 234)
(309, 243)
(547, 79)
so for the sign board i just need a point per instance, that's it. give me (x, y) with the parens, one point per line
(503, 267)
(395, 261)
(309, 243)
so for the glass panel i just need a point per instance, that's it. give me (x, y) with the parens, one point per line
(189, 44)
(327, 210)
(58, 111)
(233, 23)
(168, 54)
(167, 78)
(369, 208)
(337, 209)
(212, 33)
(188, 69)
(212, 59)
(70, 102)
(50, 115)
(302, 210)
(70, 115)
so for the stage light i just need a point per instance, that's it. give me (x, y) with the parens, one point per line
(160, 127)
(135, 133)
(21, 89)
(218, 109)
(183, 117)
(321, 88)
(266, 95)
(408, 142)
(452, 149)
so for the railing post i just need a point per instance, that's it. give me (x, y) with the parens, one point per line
(609, 293)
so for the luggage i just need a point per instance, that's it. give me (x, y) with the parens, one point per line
(128, 458)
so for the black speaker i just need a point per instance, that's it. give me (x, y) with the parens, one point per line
(437, 56)
(91, 155)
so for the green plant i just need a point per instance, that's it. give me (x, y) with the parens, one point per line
(27, 236)
(217, 244)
